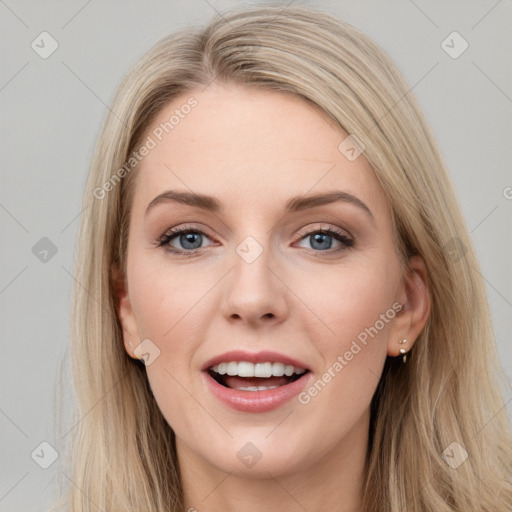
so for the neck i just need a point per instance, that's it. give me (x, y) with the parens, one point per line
(333, 483)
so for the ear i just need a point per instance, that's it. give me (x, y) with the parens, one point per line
(125, 313)
(415, 311)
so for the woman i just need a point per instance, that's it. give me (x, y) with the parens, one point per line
(277, 302)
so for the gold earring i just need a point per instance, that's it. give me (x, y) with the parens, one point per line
(402, 350)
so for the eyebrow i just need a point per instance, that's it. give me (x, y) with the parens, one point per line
(295, 204)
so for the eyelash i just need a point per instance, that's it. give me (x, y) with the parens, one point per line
(174, 232)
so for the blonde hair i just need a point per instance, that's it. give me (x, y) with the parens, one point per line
(122, 450)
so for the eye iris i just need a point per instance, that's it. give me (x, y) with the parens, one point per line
(190, 238)
(320, 238)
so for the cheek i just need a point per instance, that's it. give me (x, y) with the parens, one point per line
(350, 299)
(171, 310)
(165, 299)
(163, 304)
(356, 305)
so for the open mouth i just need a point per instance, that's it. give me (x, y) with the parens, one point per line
(245, 376)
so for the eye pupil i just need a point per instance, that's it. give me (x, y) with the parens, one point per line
(320, 239)
(190, 238)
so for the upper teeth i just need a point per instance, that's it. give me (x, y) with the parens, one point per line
(246, 369)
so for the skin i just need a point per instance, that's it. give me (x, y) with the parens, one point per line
(253, 150)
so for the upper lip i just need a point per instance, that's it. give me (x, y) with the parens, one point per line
(253, 357)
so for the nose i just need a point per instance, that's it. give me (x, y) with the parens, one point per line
(255, 294)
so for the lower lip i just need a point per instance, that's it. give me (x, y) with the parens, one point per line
(256, 401)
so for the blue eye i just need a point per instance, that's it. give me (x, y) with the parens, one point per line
(322, 239)
(190, 240)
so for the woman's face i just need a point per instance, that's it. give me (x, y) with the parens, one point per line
(250, 277)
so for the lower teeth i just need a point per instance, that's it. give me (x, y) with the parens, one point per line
(256, 388)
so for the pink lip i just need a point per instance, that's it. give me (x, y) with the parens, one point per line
(255, 401)
(254, 357)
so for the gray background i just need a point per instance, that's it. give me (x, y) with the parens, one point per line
(51, 113)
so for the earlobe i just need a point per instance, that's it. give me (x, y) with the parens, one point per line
(411, 320)
(124, 311)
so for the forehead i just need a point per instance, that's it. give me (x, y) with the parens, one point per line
(249, 146)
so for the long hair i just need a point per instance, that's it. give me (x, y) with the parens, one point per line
(439, 434)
